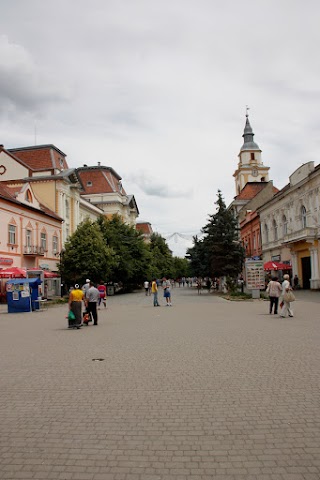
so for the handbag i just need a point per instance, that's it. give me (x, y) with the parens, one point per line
(289, 297)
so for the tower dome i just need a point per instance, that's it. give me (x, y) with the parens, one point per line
(248, 135)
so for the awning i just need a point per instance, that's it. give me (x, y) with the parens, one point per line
(268, 266)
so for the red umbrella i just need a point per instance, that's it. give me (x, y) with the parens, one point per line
(276, 266)
(13, 272)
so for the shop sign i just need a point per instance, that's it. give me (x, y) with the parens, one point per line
(6, 261)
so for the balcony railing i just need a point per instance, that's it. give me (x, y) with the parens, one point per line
(33, 250)
(308, 233)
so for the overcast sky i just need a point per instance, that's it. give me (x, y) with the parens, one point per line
(157, 90)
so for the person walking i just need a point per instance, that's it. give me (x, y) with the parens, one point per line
(286, 287)
(154, 290)
(274, 290)
(86, 286)
(76, 298)
(146, 287)
(102, 294)
(92, 298)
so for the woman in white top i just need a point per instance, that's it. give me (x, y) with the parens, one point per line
(286, 305)
(274, 290)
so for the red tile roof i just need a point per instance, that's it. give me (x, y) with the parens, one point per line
(42, 157)
(103, 180)
(250, 190)
(145, 228)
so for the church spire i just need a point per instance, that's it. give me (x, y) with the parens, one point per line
(248, 143)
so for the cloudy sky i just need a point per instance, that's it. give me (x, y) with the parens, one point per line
(158, 90)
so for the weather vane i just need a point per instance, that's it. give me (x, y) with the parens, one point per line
(247, 111)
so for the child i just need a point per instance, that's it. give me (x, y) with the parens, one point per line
(167, 293)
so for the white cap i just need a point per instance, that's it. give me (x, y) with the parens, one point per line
(87, 281)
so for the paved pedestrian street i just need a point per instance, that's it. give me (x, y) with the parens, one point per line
(205, 389)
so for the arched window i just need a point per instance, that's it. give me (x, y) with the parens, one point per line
(28, 196)
(303, 216)
(275, 230)
(266, 233)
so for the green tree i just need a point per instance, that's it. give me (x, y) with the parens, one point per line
(133, 257)
(198, 261)
(219, 253)
(181, 267)
(224, 251)
(161, 257)
(86, 255)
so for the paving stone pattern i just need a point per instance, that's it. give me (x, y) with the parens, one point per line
(205, 389)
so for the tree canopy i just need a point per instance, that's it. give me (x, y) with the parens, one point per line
(113, 251)
(86, 255)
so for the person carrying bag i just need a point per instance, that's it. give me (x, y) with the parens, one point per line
(287, 297)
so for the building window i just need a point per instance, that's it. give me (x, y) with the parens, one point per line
(43, 241)
(12, 235)
(67, 209)
(252, 156)
(275, 230)
(285, 225)
(28, 237)
(266, 233)
(303, 216)
(89, 184)
(254, 242)
(28, 196)
(54, 244)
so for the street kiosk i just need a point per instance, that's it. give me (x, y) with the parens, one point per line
(22, 294)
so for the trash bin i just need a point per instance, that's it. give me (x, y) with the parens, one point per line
(110, 290)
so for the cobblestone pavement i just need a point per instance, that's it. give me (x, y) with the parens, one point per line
(205, 389)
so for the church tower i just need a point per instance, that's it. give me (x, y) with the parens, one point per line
(250, 167)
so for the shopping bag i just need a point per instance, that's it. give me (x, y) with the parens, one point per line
(289, 297)
(71, 316)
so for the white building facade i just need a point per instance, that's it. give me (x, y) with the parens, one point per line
(290, 225)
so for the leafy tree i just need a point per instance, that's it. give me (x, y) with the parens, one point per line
(161, 257)
(133, 257)
(181, 267)
(86, 255)
(197, 256)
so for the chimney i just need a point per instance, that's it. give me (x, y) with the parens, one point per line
(99, 163)
(85, 165)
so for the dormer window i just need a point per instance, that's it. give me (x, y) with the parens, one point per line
(89, 184)
(28, 196)
(61, 162)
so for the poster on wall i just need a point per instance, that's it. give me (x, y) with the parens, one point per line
(15, 295)
(25, 294)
